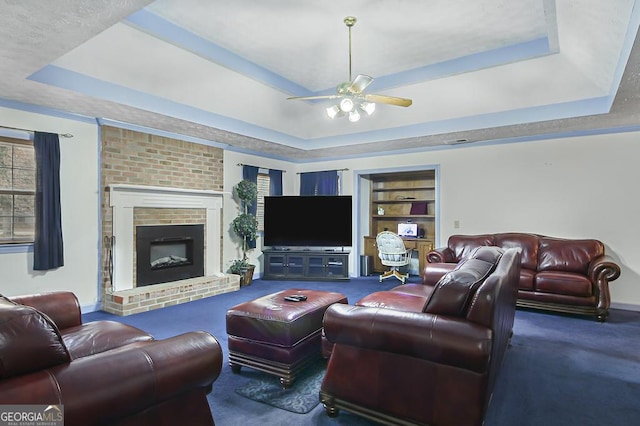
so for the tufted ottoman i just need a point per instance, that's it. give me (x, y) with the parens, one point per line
(277, 336)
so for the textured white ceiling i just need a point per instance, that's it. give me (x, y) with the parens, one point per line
(221, 71)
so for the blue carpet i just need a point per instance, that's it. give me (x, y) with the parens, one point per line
(559, 370)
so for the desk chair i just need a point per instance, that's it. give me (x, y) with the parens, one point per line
(392, 252)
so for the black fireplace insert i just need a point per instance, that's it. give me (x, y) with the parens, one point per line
(167, 253)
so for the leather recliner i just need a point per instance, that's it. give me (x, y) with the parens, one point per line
(102, 372)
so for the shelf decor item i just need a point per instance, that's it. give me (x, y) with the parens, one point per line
(245, 225)
(418, 207)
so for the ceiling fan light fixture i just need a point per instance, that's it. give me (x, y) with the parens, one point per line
(368, 107)
(346, 105)
(351, 93)
(333, 111)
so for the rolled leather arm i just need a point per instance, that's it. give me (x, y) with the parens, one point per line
(61, 306)
(123, 381)
(602, 270)
(434, 271)
(443, 340)
(440, 255)
(603, 267)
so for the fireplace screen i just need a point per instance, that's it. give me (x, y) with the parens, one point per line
(167, 253)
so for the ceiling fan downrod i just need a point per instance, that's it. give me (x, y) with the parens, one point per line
(350, 21)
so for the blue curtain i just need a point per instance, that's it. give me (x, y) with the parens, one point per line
(275, 182)
(47, 246)
(319, 183)
(251, 173)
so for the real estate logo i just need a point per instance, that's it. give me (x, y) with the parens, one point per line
(31, 415)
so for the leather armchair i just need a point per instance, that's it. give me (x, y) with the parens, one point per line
(103, 372)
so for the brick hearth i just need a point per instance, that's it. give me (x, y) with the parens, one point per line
(147, 298)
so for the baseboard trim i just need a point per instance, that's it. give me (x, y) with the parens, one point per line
(626, 307)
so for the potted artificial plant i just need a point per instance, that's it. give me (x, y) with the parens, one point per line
(245, 226)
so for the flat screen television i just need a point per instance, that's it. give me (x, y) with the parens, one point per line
(307, 221)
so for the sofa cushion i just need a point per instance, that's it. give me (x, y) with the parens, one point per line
(568, 255)
(527, 279)
(452, 294)
(394, 300)
(527, 243)
(29, 340)
(563, 283)
(417, 289)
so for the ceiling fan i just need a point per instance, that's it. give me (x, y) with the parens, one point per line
(351, 93)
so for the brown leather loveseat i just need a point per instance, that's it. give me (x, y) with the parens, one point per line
(556, 274)
(102, 372)
(424, 354)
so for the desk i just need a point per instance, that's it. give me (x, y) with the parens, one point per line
(422, 245)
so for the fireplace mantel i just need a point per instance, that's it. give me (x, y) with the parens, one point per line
(124, 198)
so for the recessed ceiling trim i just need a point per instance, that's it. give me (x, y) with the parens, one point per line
(71, 80)
(625, 52)
(481, 121)
(159, 27)
(165, 30)
(491, 58)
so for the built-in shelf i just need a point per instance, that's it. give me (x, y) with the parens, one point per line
(400, 194)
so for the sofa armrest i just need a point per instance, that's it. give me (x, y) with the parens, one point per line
(436, 338)
(441, 255)
(434, 271)
(602, 270)
(61, 306)
(115, 384)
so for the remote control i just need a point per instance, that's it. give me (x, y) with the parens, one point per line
(296, 298)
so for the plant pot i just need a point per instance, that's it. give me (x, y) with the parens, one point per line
(247, 276)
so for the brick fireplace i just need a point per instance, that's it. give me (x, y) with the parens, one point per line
(151, 180)
(125, 296)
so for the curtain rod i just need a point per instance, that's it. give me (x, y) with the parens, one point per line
(337, 170)
(64, 135)
(242, 164)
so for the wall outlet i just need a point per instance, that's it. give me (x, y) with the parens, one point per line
(456, 224)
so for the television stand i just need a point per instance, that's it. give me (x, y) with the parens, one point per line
(306, 264)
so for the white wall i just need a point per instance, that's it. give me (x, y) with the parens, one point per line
(80, 214)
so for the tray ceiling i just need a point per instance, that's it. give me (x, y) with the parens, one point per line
(220, 72)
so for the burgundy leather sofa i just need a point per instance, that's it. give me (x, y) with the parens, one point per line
(562, 275)
(102, 372)
(424, 355)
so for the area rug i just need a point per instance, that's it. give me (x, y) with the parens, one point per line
(300, 398)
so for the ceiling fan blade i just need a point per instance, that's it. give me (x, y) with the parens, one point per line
(360, 83)
(313, 97)
(383, 99)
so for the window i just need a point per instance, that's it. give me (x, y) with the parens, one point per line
(17, 191)
(264, 183)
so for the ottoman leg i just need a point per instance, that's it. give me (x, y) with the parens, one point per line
(286, 382)
(235, 368)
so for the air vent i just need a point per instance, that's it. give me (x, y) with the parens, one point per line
(457, 142)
